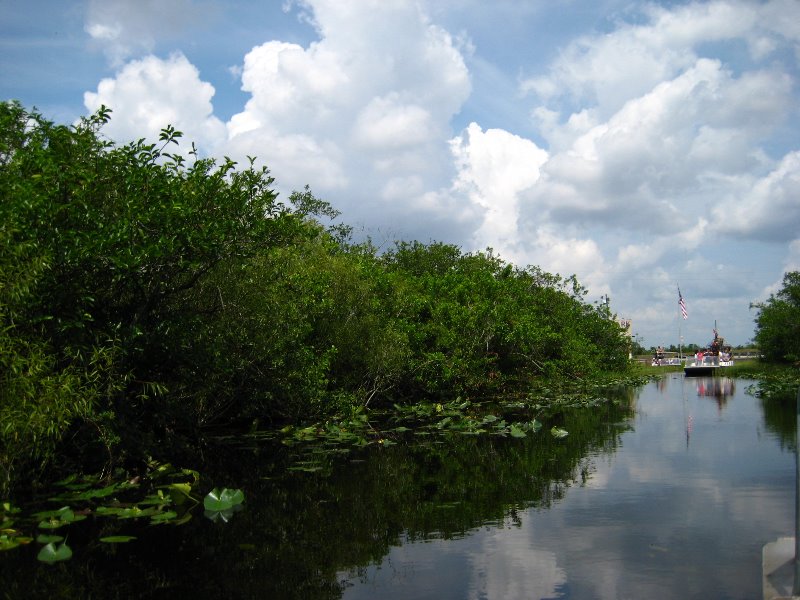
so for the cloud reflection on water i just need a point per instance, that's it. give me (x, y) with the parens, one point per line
(656, 519)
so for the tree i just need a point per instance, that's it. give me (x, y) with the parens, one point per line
(116, 265)
(148, 296)
(778, 322)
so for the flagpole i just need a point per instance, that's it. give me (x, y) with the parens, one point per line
(682, 306)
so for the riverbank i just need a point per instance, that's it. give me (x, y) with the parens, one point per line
(747, 367)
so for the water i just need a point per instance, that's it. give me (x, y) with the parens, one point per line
(680, 509)
(670, 494)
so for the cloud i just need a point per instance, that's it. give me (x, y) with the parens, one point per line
(566, 252)
(371, 101)
(792, 262)
(387, 123)
(605, 71)
(661, 136)
(124, 28)
(494, 166)
(767, 209)
(650, 167)
(148, 94)
(645, 255)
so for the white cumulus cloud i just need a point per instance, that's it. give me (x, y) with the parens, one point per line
(372, 101)
(148, 94)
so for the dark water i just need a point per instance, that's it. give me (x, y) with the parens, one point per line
(670, 494)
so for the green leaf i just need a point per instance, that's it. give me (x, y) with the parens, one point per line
(89, 494)
(8, 508)
(164, 517)
(7, 543)
(135, 512)
(52, 553)
(219, 500)
(179, 493)
(517, 432)
(558, 433)
(444, 422)
(117, 539)
(109, 510)
(63, 514)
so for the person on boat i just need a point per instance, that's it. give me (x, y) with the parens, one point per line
(659, 356)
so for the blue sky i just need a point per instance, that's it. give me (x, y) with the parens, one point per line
(638, 145)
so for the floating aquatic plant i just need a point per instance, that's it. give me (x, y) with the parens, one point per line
(51, 553)
(222, 503)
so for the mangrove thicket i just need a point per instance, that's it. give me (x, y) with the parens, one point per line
(150, 297)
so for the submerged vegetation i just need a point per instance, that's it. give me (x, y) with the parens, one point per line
(150, 298)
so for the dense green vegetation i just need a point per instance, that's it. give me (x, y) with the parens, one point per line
(149, 296)
(778, 323)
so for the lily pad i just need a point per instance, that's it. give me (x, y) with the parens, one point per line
(89, 494)
(517, 432)
(117, 539)
(8, 542)
(222, 499)
(62, 514)
(135, 512)
(52, 553)
(164, 517)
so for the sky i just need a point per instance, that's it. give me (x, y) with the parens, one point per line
(641, 146)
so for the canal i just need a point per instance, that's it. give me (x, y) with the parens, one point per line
(680, 507)
(670, 491)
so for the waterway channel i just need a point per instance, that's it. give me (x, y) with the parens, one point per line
(680, 507)
(669, 492)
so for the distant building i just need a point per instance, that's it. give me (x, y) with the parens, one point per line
(627, 325)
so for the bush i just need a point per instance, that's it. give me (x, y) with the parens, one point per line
(778, 323)
(147, 296)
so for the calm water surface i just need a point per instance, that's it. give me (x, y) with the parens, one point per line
(671, 493)
(680, 509)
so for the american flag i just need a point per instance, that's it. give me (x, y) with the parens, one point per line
(682, 304)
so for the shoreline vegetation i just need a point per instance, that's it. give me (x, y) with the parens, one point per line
(156, 307)
(151, 299)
